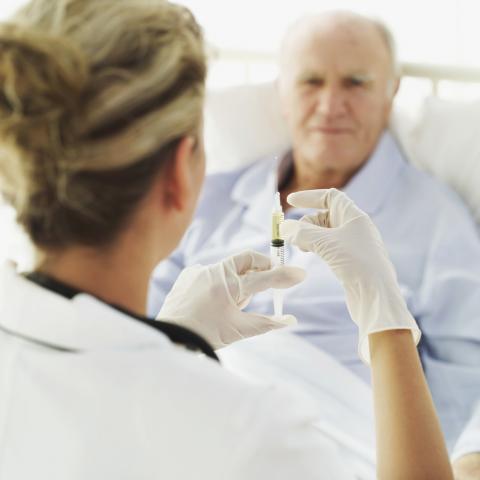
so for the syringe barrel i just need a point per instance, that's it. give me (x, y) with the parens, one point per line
(277, 252)
(277, 219)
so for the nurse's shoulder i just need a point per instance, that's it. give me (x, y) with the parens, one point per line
(230, 427)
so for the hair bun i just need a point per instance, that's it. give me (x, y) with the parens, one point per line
(39, 74)
(41, 80)
(94, 97)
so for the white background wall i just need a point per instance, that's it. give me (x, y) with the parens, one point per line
(433, 31)
(438, 31)
(427, 31)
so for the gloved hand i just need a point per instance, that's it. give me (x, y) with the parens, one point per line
(208, 299)
(346, 238)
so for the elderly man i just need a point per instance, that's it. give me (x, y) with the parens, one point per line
(337, 83)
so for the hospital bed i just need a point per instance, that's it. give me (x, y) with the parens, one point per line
(439, 133)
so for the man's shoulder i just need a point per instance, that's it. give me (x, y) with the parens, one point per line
(418, 185)
(219, 185)
(432, 192)
(218, 188)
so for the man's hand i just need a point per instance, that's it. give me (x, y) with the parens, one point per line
(467, 467)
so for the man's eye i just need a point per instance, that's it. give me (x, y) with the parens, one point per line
(354, 82)
(313, 82)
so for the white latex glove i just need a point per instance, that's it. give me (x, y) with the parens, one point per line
(208, 299)
(346, 238)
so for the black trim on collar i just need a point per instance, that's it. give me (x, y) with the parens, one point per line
(176, 334)
(36, 341)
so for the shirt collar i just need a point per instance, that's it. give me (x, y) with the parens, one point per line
(81, 323)
(368, 188)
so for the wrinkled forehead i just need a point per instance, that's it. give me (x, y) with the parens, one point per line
(344, 47)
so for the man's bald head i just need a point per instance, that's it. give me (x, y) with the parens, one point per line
(338, 77)
(359, 25)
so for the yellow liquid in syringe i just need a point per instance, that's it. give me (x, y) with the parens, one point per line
(277, 219)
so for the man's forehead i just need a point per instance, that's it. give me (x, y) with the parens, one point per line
(363, 74)
(327, 61)
(338, 39)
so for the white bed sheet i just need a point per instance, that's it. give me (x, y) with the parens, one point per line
(344, 402)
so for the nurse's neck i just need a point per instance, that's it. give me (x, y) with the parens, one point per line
(118, 275)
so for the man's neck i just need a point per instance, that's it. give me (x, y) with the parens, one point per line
(304, 177)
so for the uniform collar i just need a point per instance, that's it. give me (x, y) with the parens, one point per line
(369, 187)
(82, 323)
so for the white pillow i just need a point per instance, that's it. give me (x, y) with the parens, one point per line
(244, 124)
(444, 139)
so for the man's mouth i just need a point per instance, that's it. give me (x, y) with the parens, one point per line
(331, 130)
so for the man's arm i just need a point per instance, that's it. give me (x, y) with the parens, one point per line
(447, 309)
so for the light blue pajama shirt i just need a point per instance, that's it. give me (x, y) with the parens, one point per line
(432, 241)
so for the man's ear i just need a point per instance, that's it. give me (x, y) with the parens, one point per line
(279, 89)
(180, 176)
(396, 86)
(392, 92)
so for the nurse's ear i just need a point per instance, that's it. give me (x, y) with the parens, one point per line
(181, 177)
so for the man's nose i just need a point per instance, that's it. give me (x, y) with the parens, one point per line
(331, 102)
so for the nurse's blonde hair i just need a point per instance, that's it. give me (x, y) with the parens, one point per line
(94, 97)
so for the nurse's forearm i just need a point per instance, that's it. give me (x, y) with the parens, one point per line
(410, 443)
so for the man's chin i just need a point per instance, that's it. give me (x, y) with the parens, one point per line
(336, 156)
(333, 144)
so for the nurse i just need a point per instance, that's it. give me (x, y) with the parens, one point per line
(101, 156)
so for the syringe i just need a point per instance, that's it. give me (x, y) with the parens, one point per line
(277, 251)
